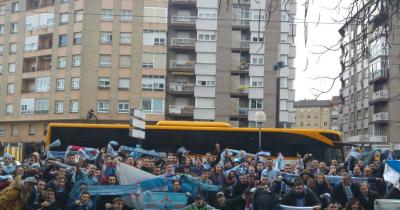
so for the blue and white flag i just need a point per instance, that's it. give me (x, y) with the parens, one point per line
(284, 207)
(387, 204)
(138, 152)
(164, 200)
(392, 172)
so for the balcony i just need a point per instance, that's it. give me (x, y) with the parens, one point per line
(183, 2)
(37, 4)
(182, 65)
(183, 21)
(29, 65)
(378, 75)
(242, 45)
(241, 23)
(28, 85)
(334, 114)
(381, 117)
(183, 43)
(181, 110)
(242, 90)
(380, 96)
(181, 88)
(243, 111)
(44, 63)
(359, 105)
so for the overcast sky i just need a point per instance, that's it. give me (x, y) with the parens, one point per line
(325, 33)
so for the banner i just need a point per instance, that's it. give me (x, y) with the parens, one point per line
(331, 179)
(387, 204)
(164, 200)
(284, 207)
(138, 152)
(199, 185)
(392, 172)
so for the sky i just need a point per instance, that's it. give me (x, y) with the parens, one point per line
(325, 33)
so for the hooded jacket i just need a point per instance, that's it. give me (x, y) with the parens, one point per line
(13, 197)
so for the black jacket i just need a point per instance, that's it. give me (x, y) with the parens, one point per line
(310, 199)
(338, 193)
(368, 201)
(263, 200)
(394, 193)
(232, 204)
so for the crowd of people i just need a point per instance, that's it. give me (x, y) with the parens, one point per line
(247, 182)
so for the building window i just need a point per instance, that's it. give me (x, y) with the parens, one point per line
(2, 130)
(76, 60)
(155, 15)
(1, 49)
(14, 130)
(75, 83)
(124, 61)
(2, 9)
(62, 40)
(105, 37)
(103, 106)
(154, 37)
(41, 106)
(257, 59)
(9, 109)
(283, 82)
(10, 88)
(31, 130)
(59, 107)
(325, 123)
(78, 15)
(126, 16)
(105, 60)
(153, 105)
(154, 60)
(63, 18)
(13, 48)
(153, 82)
(61, 62)
(11, 68)
(74, 106)
(60, 84)
(301, 123)
(14, 28)
(256, 81)
(1, 69)
(104, 83)
(14, 7)
(256, 103)
(209, 83)
(206, 35)
(207, 15)
(1, 29)
(106, 15)
(42, 84)
(125, 38)
(123, 107)
(78, 38)
(123, 83)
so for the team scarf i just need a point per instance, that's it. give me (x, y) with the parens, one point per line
(333, 180)
(164, 200)
(85, 153)
(137, 152)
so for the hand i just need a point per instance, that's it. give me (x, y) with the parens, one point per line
(189, 194)
(108, 206)
(78, 202)
(45, 204)
(103, 150)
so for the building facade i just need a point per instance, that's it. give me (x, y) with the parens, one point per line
(317, 114)
(174, 59)
(370, 80)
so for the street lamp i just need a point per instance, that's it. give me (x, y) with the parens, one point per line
(260, 118)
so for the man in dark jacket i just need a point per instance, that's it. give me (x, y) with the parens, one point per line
(345, 190)
(301, 196)
(367, 197)
(229, 204)
(265, 199)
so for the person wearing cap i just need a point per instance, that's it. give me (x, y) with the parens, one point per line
(199, 204)
(228, 204)
(16, 195)
(8, 166)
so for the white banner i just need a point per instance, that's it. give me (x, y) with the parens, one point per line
(387, 204)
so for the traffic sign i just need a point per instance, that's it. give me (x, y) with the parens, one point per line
(137, 123)
(137, 113)
(136, 133)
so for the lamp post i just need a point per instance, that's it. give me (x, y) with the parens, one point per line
(260, 118)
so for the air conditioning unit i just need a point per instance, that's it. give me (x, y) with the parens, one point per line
(33, 68)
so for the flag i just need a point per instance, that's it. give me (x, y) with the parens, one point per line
(392, 172)
(85, 153)
(387, 204)
(164, 200)
(284, 207)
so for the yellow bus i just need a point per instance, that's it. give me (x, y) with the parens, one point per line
(199, 137)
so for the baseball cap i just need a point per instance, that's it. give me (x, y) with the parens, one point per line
(30, 180)
(220, 194)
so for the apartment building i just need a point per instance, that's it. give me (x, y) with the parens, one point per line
(370, 81)
(317, 114)
(174, 59)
